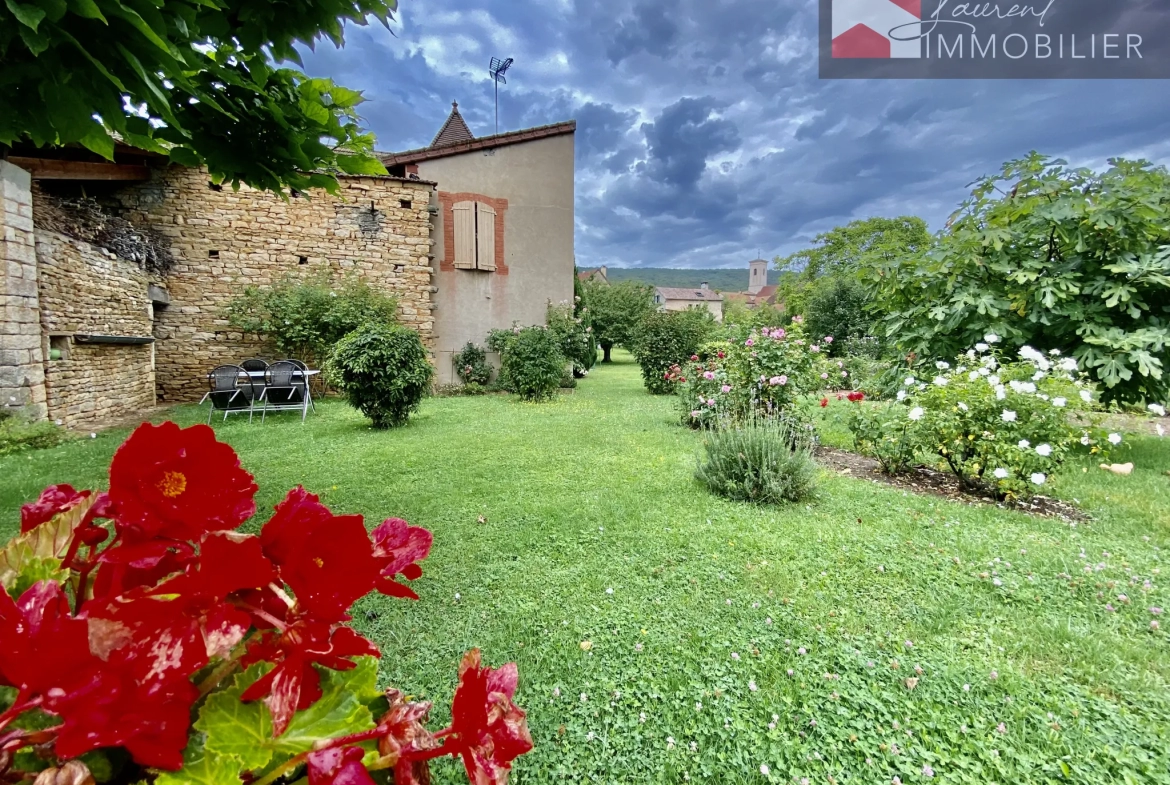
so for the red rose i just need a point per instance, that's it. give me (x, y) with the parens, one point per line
(824, 402)
(178, 483)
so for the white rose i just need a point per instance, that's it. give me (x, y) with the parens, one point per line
(942, 366)
(901, 395)
(1085, 440)
(1059, 403)
(1023, 443)
(916, 413)
(1039, 478)
(1000, 474)
(1115, 438)
(963, 406)
(1086, 396)
(1008, 416)
(1044, 450)
(1158, 409)
(982, 347)
(941, 381)
(991, 338)
(909, 381)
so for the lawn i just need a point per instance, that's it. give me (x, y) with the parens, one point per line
(665, 635)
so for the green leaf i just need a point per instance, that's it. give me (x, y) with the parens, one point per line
(99, 141)
(185, 156)
(31, 552)
(87, 9)
(360, 164)
(27, 14)
(237, 729)
(340, 710)
(202, 767)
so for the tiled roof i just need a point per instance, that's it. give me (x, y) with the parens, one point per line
(480, 143)
(679, 293)
(454, 130)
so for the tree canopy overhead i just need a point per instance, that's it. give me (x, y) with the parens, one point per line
(197, 80)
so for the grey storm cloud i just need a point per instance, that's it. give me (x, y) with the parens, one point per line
(703, 132)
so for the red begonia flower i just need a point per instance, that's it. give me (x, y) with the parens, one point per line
(53, 500)
(150, 718)
(488, 730)
(403, 736)
(294, 683)
(178, 483)
(227, 563)
(327, 560)
(338, 766)
(43, 646)
(397, 546)
(128, 566)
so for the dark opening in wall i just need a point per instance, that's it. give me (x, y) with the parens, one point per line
(58, 347)
(404, 204)
(213, 254)
(302, 260)
(215, 186)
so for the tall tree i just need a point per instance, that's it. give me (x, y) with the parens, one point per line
(857, 244)
(615, 310)
(1051, 257)
(198, 80)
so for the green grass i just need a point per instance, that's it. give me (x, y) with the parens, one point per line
(595, 491)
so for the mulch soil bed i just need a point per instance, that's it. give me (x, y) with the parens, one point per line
(923, 480)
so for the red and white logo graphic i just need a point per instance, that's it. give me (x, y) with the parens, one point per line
(862, 28)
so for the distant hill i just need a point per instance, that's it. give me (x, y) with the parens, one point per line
(724, 279)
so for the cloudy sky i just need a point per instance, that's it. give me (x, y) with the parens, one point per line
(704, 136)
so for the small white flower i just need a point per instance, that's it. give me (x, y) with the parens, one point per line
(1115, 438)
(752, 685)
(963, 407)
(1000, 474)
(1086, 396)
(1085, 440)
(941, 381)
(609, 590)
(909, 381)
(698, 705)
(991, 338)
(1024, 443)
(942, 366)
(916, 413)
(1039, 478)
(670, 742)
(1000, 392)
(1059, 402)
(972, 376)
(1068, 364)
(584, 698)
(1158, 409)
(764, 769)
(982, 347)
(1008, 415)
(1044, 450)
(901, 395)
(984, 371)
(456, 595)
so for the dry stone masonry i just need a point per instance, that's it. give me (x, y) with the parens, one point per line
(22, 380)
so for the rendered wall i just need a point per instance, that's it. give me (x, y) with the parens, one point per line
(531, 185)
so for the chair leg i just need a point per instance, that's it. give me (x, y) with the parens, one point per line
(251, 408)
(304, 409)
(264, 413)
(210, 412)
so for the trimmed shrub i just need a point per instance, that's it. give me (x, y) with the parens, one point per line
(574, 335)
(383, 371)
(471, 365)
(668, 338)
(532, 363)
(765, 460)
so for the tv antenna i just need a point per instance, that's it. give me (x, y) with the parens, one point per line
(497, 68)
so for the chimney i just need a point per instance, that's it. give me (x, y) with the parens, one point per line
(703, 285)
(604, 271)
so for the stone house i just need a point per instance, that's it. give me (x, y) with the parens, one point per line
(597, 275)
(759, 291)
(675, 298)
(114, 276)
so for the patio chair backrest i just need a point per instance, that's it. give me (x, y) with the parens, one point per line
(230, 388)
(254, 364)
(297, 363)
(285, 382)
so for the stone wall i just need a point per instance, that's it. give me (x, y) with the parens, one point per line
(89, 291)
(223, 240)
(22, 382)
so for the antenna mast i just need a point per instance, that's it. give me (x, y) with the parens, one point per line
(497, 68)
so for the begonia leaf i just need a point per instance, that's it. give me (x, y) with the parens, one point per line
(48, 540)
(341, 709)
(237, 729)
(202, 767)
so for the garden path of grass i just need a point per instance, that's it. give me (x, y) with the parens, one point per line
(725, 636)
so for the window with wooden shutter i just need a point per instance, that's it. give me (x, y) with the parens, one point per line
(485, 233)
(463, 216)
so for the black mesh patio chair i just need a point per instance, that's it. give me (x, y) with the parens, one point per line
(284, 389)
(254, 364)
(231, 391)
(308, 382)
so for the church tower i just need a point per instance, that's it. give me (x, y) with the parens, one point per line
(757, 275)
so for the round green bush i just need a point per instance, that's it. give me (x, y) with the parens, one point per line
(667, 338)
(471, 365)
(533, 364)
(383, 372)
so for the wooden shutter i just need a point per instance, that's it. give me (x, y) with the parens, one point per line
(485, 244)
(463, 215)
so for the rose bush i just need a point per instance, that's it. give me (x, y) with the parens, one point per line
(145, 639)
(1005, 425)
(773, 370)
